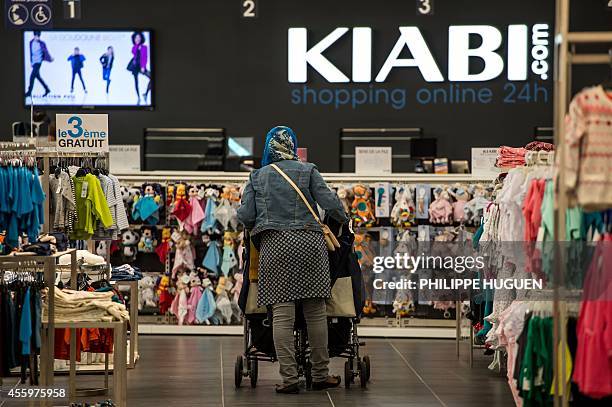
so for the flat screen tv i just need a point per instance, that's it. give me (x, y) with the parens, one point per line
(88, 68)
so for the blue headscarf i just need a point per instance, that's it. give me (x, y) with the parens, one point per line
(281, 144)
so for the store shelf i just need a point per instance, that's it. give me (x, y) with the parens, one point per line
(220, 176)
(238, 330)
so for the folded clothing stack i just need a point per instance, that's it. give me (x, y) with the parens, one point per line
(126, 273)
(88, 258)
(86, 306)
(45, 246)
(510, 157)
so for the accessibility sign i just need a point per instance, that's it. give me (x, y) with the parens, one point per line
(28, 14)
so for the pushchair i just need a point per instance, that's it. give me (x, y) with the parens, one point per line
(344, 311)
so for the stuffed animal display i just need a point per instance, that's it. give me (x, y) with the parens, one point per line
(362, 208)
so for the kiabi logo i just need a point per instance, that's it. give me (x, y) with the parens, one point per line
(411, 38)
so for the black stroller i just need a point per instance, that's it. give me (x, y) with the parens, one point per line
(343, 341)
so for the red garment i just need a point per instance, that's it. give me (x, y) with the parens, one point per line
(165, 301)
(162, 251)
(182, 209)
(593, 364)
(62, 344)
(532, 209)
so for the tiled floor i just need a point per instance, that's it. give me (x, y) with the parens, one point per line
(182, 371)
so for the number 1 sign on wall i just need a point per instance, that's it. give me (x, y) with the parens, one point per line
(425, 7)
(72, 9)
(248, 8)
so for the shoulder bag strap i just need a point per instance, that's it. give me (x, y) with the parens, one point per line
(297, 189)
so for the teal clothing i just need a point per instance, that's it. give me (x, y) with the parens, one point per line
(25, 325)
(21, 203)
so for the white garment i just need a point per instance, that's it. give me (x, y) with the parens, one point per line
(87, 257)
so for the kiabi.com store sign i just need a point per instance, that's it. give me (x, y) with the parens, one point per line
(527, 52)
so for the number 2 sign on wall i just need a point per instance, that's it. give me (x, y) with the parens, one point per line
(425, 7)
(248, 8)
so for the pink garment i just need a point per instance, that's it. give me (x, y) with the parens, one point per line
(440, 211)
(183, 259)
(179, 306)
(195, 217)
(593, 364)
(510, 156)
(192, 304)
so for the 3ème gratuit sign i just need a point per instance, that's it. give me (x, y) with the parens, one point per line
(82, 132)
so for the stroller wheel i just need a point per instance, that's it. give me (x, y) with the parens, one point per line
(254, 372)
(348, 375)
(308, 374)
(238, 369)
(366, 361)
(363, 378)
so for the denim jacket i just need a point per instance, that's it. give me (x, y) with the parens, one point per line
(270, 202)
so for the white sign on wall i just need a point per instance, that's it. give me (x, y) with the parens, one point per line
(483, 162)
(77, 133)
(125, 158)
(373, 160)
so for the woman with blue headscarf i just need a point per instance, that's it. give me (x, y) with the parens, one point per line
(293, 258)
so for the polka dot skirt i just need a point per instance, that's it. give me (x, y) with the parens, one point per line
(293, 265)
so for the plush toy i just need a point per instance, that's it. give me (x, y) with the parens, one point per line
(362, 207)
(196, 215)
(238, 281)
(180, 307)
(195, 285)
(369, 309)
(146, 294)
(461, 196)
(234, 195)
(102, 249)
(146, 208)
(184, 256)
(346, 198)
(401, 309)
(164, 247)
(441, 210)
(228, 261)
(211, 261)
(164, 295)
(365, 256)
(129, 243)
(206, 306)
(403, 212)
(209, 224)
(226, 213)
(181, 207)
(224, 305)
(148, 241)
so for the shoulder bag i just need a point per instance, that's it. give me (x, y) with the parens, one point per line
(330, 239)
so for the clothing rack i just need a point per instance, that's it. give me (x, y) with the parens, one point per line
(565, 57)
(48, 265)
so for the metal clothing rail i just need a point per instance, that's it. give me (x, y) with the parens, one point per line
(565, 56)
